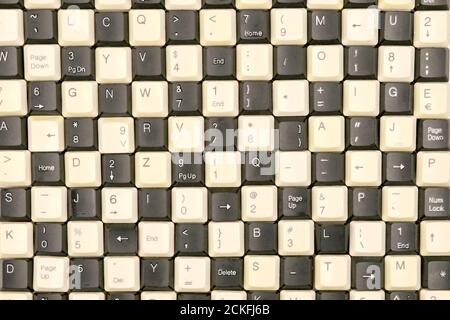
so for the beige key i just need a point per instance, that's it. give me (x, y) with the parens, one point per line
(83, 169)
(119, 205)
(290, 98)
(361, 98)
(367, 238)
(297, 295)
(259, 203)
(121, 274)
(147, 28)
(158, 295)
(46, 133)
(150, 99)
(400, 203)
(186, 134)
(256, 133)
(332, 272)
(85, 238)
(293, 168)
(15, 169)
(192, 274)
(51, 274)
(113, 5)
(396, 4)
(218, 27)
(325, 4)
(253, 4)
(49, 204)
(76, 27)
(325, 63)
(360, 27)
(113, 65)
(363, 168)
(42, 62)
(156, 239)
(433, 169)
(228, 295)
(254, 62)
(431, 28)
(220, 98)
(398, 133)
(326, 134)
(288, 26)
(434, 294)
(86, 296)
(16, 240)
(11, 27)
(396, 63)
(183, 4)
(261, 273)
(296, 237)
(432, 100)
(153, 169)
(329, 204)
(79, 99)
(367, 295)
(116, 135)
(13, 295)
(222, 169)
(402, 273)
(435, 238)
(184, 63)
(189, 205)
(42, 4)
(13, 98)
(226, 239)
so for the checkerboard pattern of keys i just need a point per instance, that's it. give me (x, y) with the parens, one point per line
(224, 149)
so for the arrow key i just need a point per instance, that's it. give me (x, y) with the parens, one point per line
(399, 168)
(44, 97)
(117, 169)
(224, 206)
(121, 239)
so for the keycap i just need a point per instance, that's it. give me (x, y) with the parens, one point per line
(44, 97)
(150, 169)
(46, 133)
(263, 278)
(85, 238)
(326, 134)
(224, 206)
(147, 27)
(49, 238)
(192, 274)
(154, 204)
(367, 238)
(222, 169)
(296, 273)
(328, 168)
(430, 100)
(79, 3)
(42, 62)
(403, 237)
(294, 202)
(296, 237)
(120, 239)
(14, 35)
(48, 168)
(254, 62)
(361, 62)
(220, 134)
(182, 26)
(219, 62)
(83, 169)
(368, 276)
(397, 27)
(332, 272)
(45, 4)
(325, 4)
(50, 274)
(360, 27)
(326, 97)
(430, 29)
(255, 97)
(156, 239)
(397, 98)
(17, 240)
(329, 203)
(184, 63)
(11, 62)
(365, 203)
(105, 57)
(290, 98)
(437, 274)
(80, 134)
(293, 135)
(288, 26)
(259, 203)
(220, 98)
(156, 273)
(77, 63)
(227, 273)
(185, 98)
(399, 203)
(259, 168)
(331, 238)
(400, 5)
(12, 133)
(402, 272)
(84, 203)
(226, 239)
(183, 5)
(253, 4)
(432, 169)
(253, 26)
(434, 202)
(116, 135)
(192, 208)
(76, 29)
(397, 133)
(325, 63)
(433, 134)
(261, 238)
(289, 172)
(399, 168)
(396, 63)
(114, 5)
(15, 168)
(362, 133)
(119, 205)
(16, 274)
(290, 62)
(217, 27)
(433, 235)
(432, 64)
(14, 204)
(324, 27)
(40, 26)
(433, 5)
(121, 274)
(191, 239)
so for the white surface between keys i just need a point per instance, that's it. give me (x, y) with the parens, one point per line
(402, 273)
(15, 169)
(119, 205)
(16, 240)
(85, 238)
(261, 272)
(156, 239)
(13, 98)
(226, 239)
(51, 274)
(332, 272)
(49, 204)
(11, 28)
(153, 169)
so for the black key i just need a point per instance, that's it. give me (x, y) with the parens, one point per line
(185, 98)
(50, 238)
(122, 296)
(11, 4)
(262, 237)
(82, 4)
(220, 134)
(80, 133)
(296, 273)
(434, 203)
(156, 273)
(290, 3)
(432, 4)
(396, 28)
(259, 167)
(294, 202)
(360, 3)
(149, 63)
(86, 274)
(253, 26)
(121, 239)
(290, 62)
(40, 26)
(15, 274)
(331, 238)
(361, 62)
(154, 204)
(50, 296)
(191, 238)
(324, 26)
(151, 134)
(219, 62)
(15, 204)
(433, 134)
(365, 203)
(328, 168)
(367, 274)
(293, 135)
(193, 296)
(218, 3)
(255, 97)
(187, 169)
(326, 97)
(262, 295)
(84, 204)
(432, 65)
(118, 169)
(362, 133)
(114, 99)
(13, 133)
(402, 295)
(47, 168)
(182, 26)
(146, 4)
(111, 28)
(399, 168)
(77, 63)
(44, 97)
(396, 98)
(11, 62)
(403, 237)
(332, 295)
(227, 273)
(436, 274)
(225, 206)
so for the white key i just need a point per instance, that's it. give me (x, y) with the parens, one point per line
(220, 98)
(85, 238)
(16, 240)
(15, 169)
(51, 274)
(222, 169)
(218, 27)
(150, 98)
(192, 274)
(228, 295)
(325, 63)
(396, 4)
(254, 62)
(11, 295)
(398, 133)
(156, 239)
(402, 273)
(116, 135)
(153, 169)
(189, 205)
(363, 168)
(158, 295)
(400, 203)
(432, 100)
(11, 28)
(113, 65)
(13, 98)
(261, 272)
(79, 99)
(325, 4)
(121, 274)
(184, 63)
(256, 133)
(290, 98)
(42, 4)
(367, 295)
(431, 29)
(49, 204)
(76, 28)
(288, 26)
(297, 295)
(45, 133)
(434, 294)
(119, 205)
(186, 134)
(332, 272)
(147, 27)
(326, 134)
(42, 62)
(259, 203)
(119, 5)
(293, 168)
(361, 98)
(226, 239)
(253, 4)
(360, 27)
(367, 238)
(329, 203)
(435, 238)
(83, 169)
(86, 296)
(296, 237)
(433, 169)
(183, 4)
(396, 63)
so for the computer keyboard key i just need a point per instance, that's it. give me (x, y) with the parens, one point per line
(324, 26)
(13, 133)
(433, 169)
(219, 3)
(156, 273)
(224, 206)
(332, 272)
(84, 204)
(12, 4)
(397, 28)
(254, 62)
(365, 203)
(187, 169)
(325, 63)
(50, 274)
(396, 63)
(227, 273)
(42, 62)
(434, 238)
(430, 28)
(253, 26)
(117, 169)
(261, 238)
(434, 134)
(40, 26)
(368, 274)
(182, 27)
(432, 5)
(81, 133)
(326, 97)
(399, 168)
(15, 169)
(15, 204)
(121, 239)
(185, 98)
(402, 237)
(255, 97)
(121, 274)
(192, 274)
(296, 273)
(359, 3)
(111, 28)
(361, 62)
(77, 63)
(44, 97)
(191, 239)
(437, 274)
(294, 202)
(114, 99)
(48, 168)
(50, 296)
(154, 204)
(434, 203)
(328, 168)
(432, 64)
(402, 272)
(289, 62)
(149, 63)
(50, 239)
(289, 3)
(397, 98)
(262, 295)
(11, 62)
(293, 135)
(148, 4)
(122, 296)
(151, 134)
(362, 133)
(219, 62)
(16, 274)
(259, 167)
(83, 4)
(331, 238)
(220, 134)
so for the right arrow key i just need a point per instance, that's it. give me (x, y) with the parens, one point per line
(399, 168)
